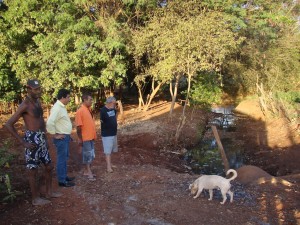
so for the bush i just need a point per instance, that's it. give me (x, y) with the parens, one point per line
(5, 184)
(5, 156)
(206, 90)
(291, 97)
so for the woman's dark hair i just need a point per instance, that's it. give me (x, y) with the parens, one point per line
(62, 93)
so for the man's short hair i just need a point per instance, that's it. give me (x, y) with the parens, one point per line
(110, 99)
(85, 96)
(62, 93)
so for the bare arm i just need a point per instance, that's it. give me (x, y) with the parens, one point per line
(11, 122)
(79, 133)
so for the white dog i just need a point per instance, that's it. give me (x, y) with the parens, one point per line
(213, 181)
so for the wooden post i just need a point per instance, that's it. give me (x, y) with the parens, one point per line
(221, 149)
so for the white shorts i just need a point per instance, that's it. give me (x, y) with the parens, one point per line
(110, 144)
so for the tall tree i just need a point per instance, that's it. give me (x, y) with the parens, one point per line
(10, 88)
(179, 40)
(266, 25)
(59, 43)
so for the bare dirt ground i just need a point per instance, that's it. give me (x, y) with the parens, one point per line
(150, 183)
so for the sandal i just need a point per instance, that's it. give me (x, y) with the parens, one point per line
(94, 175)
(110, 171)
(91, 178)
(40, 201)
(54, 195)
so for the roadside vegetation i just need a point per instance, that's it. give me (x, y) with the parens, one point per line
(195, 51)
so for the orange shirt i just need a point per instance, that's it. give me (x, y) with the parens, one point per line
(84, 119)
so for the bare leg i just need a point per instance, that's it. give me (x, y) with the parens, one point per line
(231, 195)
(108, 163)
(36, 200)
(198, 192)
(210, 194)
(224, 196)
(89, 172)
(48, 178)
(32, 174)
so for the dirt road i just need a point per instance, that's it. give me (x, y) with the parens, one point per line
(150, 183)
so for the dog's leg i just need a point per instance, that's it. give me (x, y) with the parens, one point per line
(231, 195)
(224, 196)
(198, 192)
(210, 194)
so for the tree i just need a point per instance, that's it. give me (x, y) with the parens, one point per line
(10, 88)
(262, 59)
(59, 43)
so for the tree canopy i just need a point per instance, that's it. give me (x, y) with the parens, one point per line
(216, 46)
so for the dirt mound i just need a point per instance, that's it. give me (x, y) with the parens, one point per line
(249, 174)
(150, 183)
(250, 108)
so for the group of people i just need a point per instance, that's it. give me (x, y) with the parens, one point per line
(59, 126)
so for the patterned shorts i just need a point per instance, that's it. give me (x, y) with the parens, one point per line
(39, 154)
(88, 152)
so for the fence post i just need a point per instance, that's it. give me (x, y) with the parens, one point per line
(220, 147)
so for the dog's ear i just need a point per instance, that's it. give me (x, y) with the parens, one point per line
(190, 186)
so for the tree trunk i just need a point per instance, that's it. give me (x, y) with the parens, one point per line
(154, 91)
(174, 94)
(12, 108)
(141, 101)
(183, 117)
(179, 128)
(77, 99)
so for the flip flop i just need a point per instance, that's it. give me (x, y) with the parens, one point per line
(91, 178)
(94, 175)
(110, 171)
(54, 195)
(40, 201)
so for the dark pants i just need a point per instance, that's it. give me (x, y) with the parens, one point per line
(62, 150)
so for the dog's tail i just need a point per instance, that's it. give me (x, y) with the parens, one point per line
(234, 174)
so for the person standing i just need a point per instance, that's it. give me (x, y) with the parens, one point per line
(108, 119)
(60, 126)
(86, 131)
(35, 142)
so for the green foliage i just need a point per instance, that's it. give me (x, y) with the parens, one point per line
(183, 39)
(11, 195)
(91, 44)
(289, 102)
(5, 159)
(270, 52)
(58, 43)
(5, 156)
(206, 90)
(208, 158)
(114, 51)
(290, 96)
(8, 80)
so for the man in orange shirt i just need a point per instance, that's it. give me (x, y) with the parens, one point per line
(86, 131)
